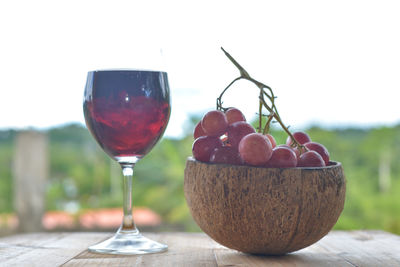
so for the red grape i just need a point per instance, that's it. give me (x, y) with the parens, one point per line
(295, 150)
(320, 149)
(204, 146)
(271, 139)
(198, 131)
(234, 115)
(237, 130)
(214, 123)
(255, 149)
(227, 155)
(282, 157)
(310, 159)
(301, 138)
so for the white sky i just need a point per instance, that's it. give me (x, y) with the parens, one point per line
(329, 62)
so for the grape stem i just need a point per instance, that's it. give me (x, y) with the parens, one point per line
(265, 92)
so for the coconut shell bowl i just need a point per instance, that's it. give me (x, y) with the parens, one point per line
(269, 211)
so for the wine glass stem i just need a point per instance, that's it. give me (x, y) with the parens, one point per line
(128, 224)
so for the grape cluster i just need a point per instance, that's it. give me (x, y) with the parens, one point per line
(226, 137)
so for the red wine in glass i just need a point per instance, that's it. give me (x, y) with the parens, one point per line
(127, 112)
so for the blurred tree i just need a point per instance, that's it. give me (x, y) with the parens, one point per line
(80, 174)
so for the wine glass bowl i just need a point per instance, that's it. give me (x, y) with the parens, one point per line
(127, 111)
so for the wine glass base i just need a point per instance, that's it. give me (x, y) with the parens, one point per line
(128, 243)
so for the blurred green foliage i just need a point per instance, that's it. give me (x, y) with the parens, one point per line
(82, 176)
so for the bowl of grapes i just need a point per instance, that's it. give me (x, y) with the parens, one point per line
(253, 195)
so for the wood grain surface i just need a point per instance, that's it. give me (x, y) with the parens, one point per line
(338, 248)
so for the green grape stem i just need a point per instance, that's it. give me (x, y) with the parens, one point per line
(273, 112)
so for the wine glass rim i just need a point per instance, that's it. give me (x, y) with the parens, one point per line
(126, 70)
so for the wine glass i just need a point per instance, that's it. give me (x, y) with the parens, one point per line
(127, 112)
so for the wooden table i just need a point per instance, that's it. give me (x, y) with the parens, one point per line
(339, 248)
